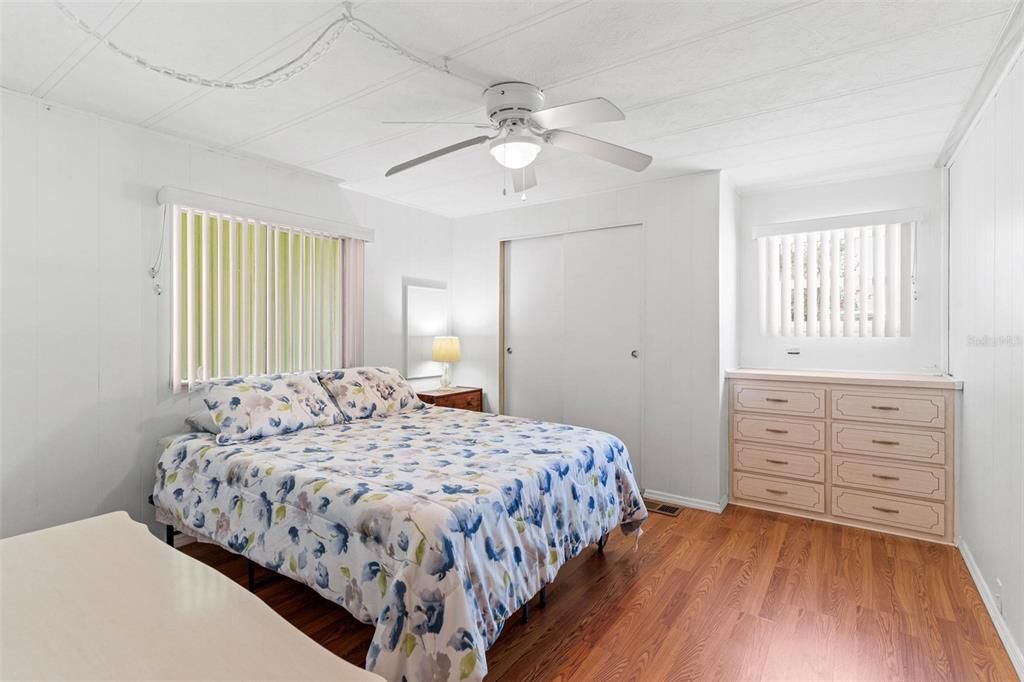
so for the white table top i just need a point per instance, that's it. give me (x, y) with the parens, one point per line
(104, 599)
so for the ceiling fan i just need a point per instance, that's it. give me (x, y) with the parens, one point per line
(522, 126)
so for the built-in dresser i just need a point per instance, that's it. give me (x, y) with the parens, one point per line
(868, 450)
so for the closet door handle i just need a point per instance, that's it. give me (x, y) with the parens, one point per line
(777, 461)
(775, 492)
(635, 354)
(885, 442)
(885, 408)
(886, 477)
(776, 400)
(508, 350)
(776, 430)
(886, 510)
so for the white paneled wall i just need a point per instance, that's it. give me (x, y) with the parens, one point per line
(85, 342)
(987, 350)
(683, 350)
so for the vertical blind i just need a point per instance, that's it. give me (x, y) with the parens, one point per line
(252, 297)
(837, 282)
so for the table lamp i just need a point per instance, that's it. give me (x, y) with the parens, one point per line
(446, 350)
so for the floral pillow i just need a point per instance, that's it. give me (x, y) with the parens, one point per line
(365, 392)
(251, 408)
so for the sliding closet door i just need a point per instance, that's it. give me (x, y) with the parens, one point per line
(573, 319)
(601, 380)
(534, 307)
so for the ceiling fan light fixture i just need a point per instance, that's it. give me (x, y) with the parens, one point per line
(515, 151)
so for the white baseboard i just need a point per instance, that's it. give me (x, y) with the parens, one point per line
(1012, 647)
(690, 502)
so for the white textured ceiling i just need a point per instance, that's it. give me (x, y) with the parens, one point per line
(773, 92)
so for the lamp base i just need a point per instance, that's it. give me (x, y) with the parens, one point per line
(446, 375)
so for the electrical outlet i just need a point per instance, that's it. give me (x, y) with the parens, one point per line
(999, 596)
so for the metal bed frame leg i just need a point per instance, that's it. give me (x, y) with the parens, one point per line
(601, 543)
(526, 612)
(252, 575)
(543, 597)
(169, 536)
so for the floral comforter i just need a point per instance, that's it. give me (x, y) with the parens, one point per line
(433, 525)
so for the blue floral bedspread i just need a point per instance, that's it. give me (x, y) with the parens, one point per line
(433, 525)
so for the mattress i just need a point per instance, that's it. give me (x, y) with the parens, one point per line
(433, 525)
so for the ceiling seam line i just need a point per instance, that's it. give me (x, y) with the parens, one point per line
(711, 88)
(819, 100)
(845, 93)
(700, 37)
(454, 54)
(797, 65)
(81, 44)
(909, 112)
(280, 45)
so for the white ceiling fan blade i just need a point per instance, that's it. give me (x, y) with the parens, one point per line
(599, 149)
(436, 153)
(596, 110)
(438, 123)
(523, 179)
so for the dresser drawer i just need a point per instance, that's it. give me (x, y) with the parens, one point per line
(795, 494)
(779, 461)
(890, 407)
(800, 433)
(919, 481)
(779, 399)
(916, 515)
(889, 441)
(465, 401)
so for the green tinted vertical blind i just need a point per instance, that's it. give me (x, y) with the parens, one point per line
(251, 297)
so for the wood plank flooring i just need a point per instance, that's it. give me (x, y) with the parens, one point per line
(744, 595)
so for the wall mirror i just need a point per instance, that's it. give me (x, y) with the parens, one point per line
(425, 314)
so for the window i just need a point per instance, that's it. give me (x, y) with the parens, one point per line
(253, 297)
(835, 281)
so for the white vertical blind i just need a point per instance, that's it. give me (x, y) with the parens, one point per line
(251, 297)
(774, 252)
(825, 286)
(787, 286)
(835, 282)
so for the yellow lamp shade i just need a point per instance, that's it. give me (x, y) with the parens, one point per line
(446, 349)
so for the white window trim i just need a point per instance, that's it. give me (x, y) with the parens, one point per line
(213, 203)
(843, 222)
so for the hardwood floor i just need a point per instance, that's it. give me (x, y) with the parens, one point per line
(744, 595)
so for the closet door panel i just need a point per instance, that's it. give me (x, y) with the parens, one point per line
(601, 378)
(534, 305)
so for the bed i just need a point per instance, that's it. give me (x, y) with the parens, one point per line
(434, 524)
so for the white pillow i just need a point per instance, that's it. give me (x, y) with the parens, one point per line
(202, 420)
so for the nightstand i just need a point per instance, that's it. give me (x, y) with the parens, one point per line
(461, 397)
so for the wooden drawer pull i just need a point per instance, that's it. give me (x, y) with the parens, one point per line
(776, 430)
(886, 477)
(777, 461)
(885, 442)
(776, 492)
(887, 408)
(776, 400)
(886, 510)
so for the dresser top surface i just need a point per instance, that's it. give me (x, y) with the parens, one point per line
(445, 392)
(898, 380)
